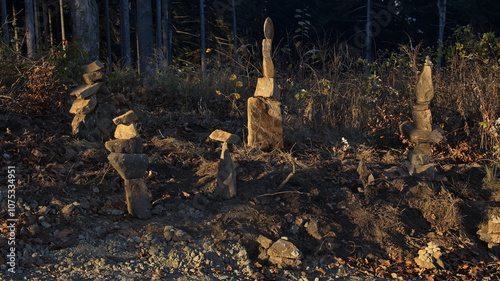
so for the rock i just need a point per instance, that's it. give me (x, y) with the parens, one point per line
(422, 119)
(417, 136)
(83, 106)
(68, 209)
(106, 127)
(81, 124)
(264, 242)
(129, 166)
(226, 175)
(265, 128)
(126, 118)
(268, 29)
(489, 229)
(425, 88)
(176, 235)
(312, 229)
(129, 146)
(430, 257)
(93, 77)
(222, 136)
(267, 87)
(85, 91)
(93, 66)
(284, 253)
(138, 198)
(126, 132)
(267, 62)
(64, 233)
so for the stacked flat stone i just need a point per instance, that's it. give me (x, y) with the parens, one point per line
(226, 173)
(421, 131)
(265, 124)
(128, 160)
(92, 120)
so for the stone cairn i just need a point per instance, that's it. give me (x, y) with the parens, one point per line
(265, 124)
(226, 173)
(421, 131)
(92, 120)
(128, 160)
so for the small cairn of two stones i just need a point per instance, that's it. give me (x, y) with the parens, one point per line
(128, 160)
(265, 124)
(421, 131)
(226, 173)
(92, 120)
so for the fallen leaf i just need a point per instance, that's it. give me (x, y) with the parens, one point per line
(322, 271)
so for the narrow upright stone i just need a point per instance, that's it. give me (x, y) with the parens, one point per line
(226, 175)
(129, 166)
(267, 87)
(267, 63)
(425, 88)
(268, 29)
(138, 198)
(83, 106)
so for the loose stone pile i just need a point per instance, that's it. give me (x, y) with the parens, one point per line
(283, 253)
(430, 257)
(92, 120)
(265, 124)
(226, 173)
(127, 158)
(489, 231)
(421, 131)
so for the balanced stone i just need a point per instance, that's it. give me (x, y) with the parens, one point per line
(129, 166)
(83, 106)
(425, 88)
(138, 198)
(226, 175)
(267, 87)
(222, 136)
(93, 66)
(126, 118)
(130, 146)
(93, 77)
(418, 136)
(268, 29)
(126, 132)
(422, 119)
(265, 128)
(85, 91)
(268, 66)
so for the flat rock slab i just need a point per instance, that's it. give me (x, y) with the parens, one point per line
(126, 118)
(138, 198)
(417, 136)
(129, 166)
(223, 136)
(265, 124)
(284, 253)
(93, 66)
(83, 106)
(93, 77)
(126, 132)
(130, 146)
(85, 91)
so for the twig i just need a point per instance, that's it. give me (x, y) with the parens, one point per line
(5, 97)
(280, 192)
(289, 176)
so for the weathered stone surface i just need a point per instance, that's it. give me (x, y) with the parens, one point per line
(174, 234)
(130, 146)
(129, 166)
(416, 136)
(267, 63)
(138, 198)
(85, 91)
(430, 257)
(268, 29)
(226, 175)
(126, 118)
(267, 87)
(126, 132)
(93, 66)
(489, 230)
(223, 136)
(83, 106)
(265, 124)
(264, 242)
(425, 88)
(284, 253)
(422, 119)
(93, 77)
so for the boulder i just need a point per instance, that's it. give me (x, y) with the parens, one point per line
(83, 106)
(265, 128)
(129, 146)
(126, 132)
(85, 91)
(126, 118)
(129, 166)
(138, 198)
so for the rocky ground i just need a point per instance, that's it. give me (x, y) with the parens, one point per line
(300, 214)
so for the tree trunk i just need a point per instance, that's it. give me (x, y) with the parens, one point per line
(202, 35)
(63, 29)
(144, 34)
(167, 30)
(125, 32)
(38, 23)
(159, 40)
(235, 34)
(5, 22)
(85, 22)
(368, 42)
(16, 32)
(30, 28)
(442, 24)
(108, 35)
